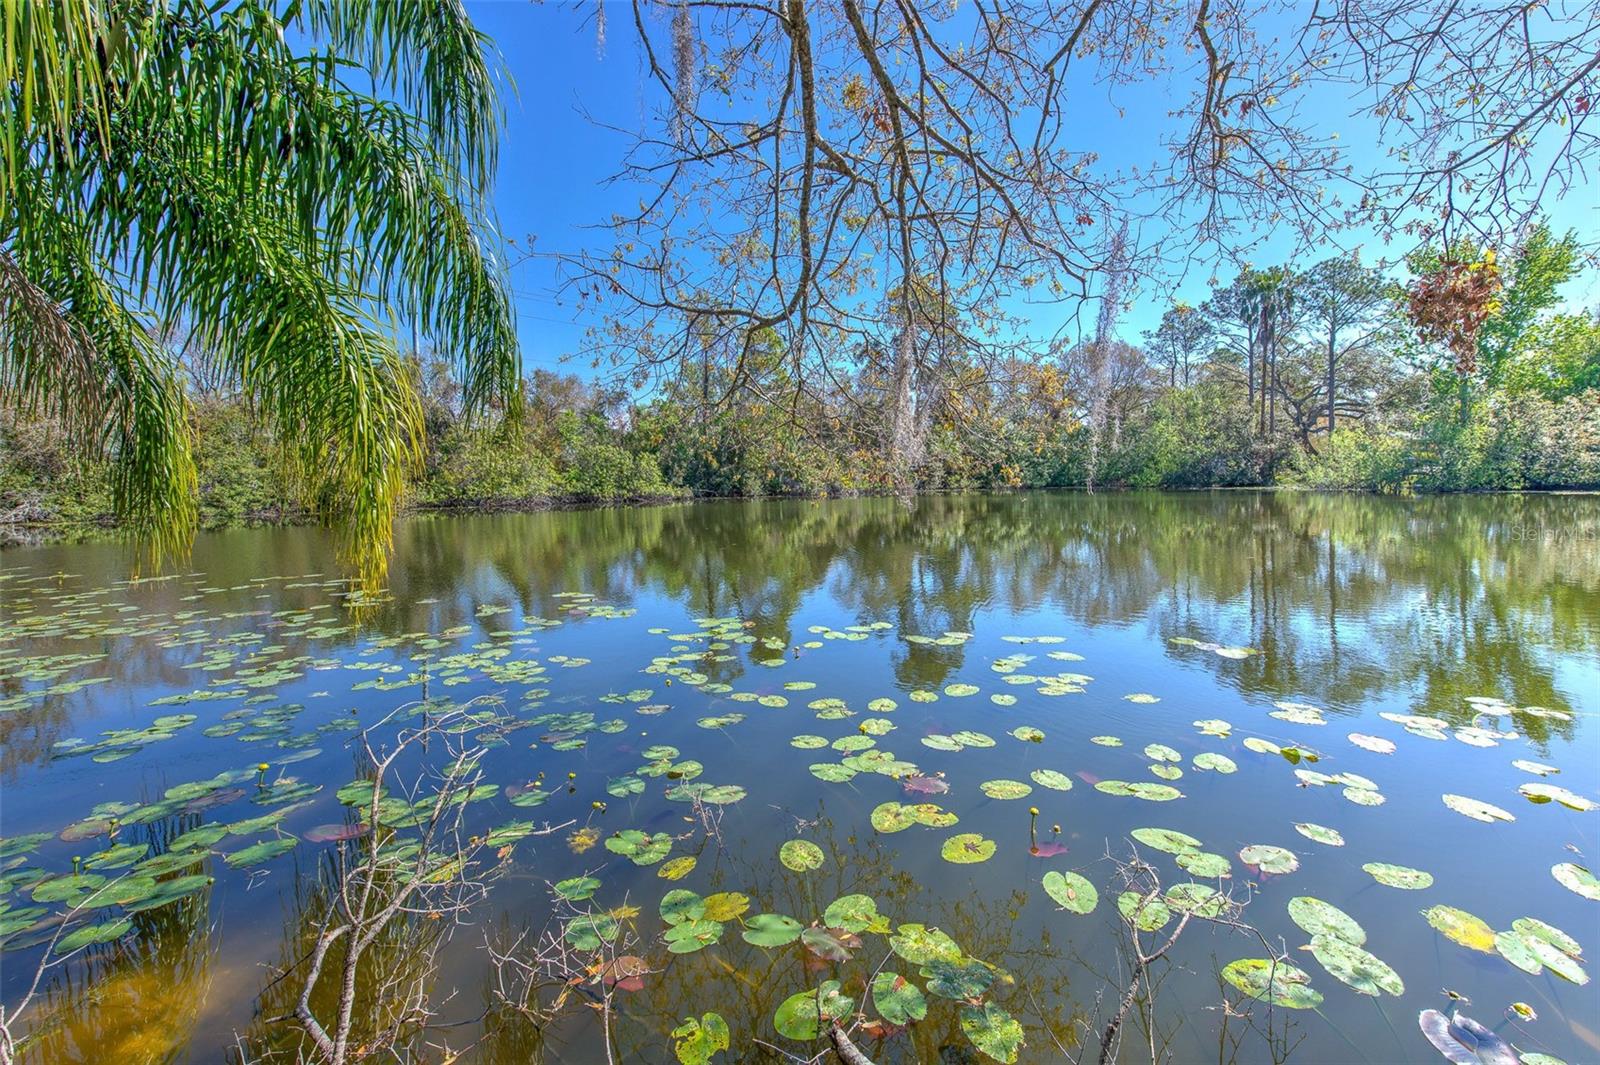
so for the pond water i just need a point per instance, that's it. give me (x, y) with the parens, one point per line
(1193, 662)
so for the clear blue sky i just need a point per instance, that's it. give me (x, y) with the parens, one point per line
(556, 158)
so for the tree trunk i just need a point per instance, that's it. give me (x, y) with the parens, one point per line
(902, 416)
(1333, 336)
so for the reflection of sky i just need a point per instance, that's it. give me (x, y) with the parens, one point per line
(1436, 618)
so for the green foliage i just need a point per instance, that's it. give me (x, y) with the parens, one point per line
(180, 162)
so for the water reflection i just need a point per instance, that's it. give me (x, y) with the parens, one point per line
(1356, 604)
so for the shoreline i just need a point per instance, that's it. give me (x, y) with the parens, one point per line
(32, 531)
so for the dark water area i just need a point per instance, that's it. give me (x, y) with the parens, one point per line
(766, 641)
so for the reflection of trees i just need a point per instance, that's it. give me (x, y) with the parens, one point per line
(1351, 597)
(134, 1000)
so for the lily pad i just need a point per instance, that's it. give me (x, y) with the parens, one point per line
(993, 1031)
(642, 848)
(772, 930)
(1477, 809)
(897, 999)
(1375, 744)
(1461, 927)
(577, 888)
(800, 855)
(1319, 834)
(1464, 1041)
(1204, 864)
(919, 944)
(1005, 789)
(967, 848)
(696, 1041)
(959, 980)
(1577, 879)
(854, 913)
(1050, 778)
(1539, 792)
(1352, 965)
(1399, 876)
(1317, 918)
(1270, 859)
(801, 1016)
(1216, 763)
(1276, 982)
(1147, 913)
(1166, 839)
(1071, 891)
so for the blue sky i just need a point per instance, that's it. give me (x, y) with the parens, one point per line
(556, 158)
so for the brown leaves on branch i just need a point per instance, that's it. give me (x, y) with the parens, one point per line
(1450, 303)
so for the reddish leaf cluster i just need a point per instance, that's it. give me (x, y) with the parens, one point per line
(1450, 303)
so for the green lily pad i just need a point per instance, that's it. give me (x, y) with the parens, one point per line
(1576, 879)
(259, 853)
(577, 889)
(1147, 913)
(802, 1016)
(1399, 876)
(832, 772)
(681, 905)
(1050, 778)
(1204, 864)
(1270, 859)
(1461, 927)
(919, 944)
(1276, 982)
(1316, 918)
(892, 817)
(854, 913)
(897, 999)
(1071, 891)
(1539, 792)
(1477, 809)
(696, 1041)
(1005, 789)
(1166, 839)
(800, 855)
(1319, 834)
(1533, 928)
(993, 1031)
(1514, 948)
(642, 848)
(1352, 965)
(1198, 899)
(93, 935)
(1216, 763)
(967, 848)
(1160, 752)
(686, 937)
(772, 930)
(1028, 734)
(957, 980)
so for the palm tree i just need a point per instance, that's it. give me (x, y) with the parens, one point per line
(282, 182)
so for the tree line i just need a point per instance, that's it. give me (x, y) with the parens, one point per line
(1318, 376)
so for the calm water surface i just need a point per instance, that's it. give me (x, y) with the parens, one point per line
(1354, 606)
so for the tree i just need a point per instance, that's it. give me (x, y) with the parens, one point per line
(803, 157)
(1344, 305)
(272, 180)
(1184, 338)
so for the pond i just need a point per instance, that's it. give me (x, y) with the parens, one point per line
(754, 742)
